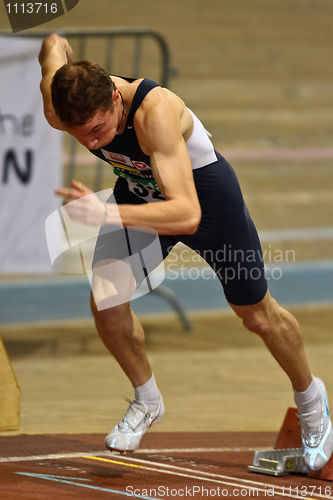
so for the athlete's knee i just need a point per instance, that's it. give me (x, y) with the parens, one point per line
(262, 318)
(112, 316)
(257, 322)
(113, 283)
(274, 320)
(268, 318)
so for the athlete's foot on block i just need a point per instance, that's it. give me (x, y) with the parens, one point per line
(126, 435)
(317, 433)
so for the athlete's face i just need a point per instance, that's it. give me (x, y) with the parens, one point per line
(100, 129)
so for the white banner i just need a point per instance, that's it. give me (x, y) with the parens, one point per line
(30, 160)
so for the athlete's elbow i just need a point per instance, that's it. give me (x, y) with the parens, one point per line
(192, 222)
(49, 116)
(53, 120)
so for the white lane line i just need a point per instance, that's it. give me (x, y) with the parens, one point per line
(203, 450)
(254, 486)
(51, 456)
(55, 456)
(173, 469)
(204, 473)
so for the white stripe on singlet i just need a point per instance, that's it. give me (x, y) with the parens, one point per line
(199, 145)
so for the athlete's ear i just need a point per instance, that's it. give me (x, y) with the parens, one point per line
(115, 95)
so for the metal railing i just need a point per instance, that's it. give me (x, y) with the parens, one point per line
(110, 35)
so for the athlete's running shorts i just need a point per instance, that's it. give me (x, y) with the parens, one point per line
(226, 238)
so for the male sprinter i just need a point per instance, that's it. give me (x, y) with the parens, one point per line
(173, 181)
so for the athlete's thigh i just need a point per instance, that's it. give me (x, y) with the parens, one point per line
(227, 238)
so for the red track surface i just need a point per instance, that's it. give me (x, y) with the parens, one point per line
(182, 465)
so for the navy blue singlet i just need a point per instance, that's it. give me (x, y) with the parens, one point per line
(124, 152)
(226, 238)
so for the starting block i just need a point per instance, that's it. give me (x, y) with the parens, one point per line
(286, 457)
(279, 462)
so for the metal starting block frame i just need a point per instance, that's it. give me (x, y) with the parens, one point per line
(279, 462)
(286, 457)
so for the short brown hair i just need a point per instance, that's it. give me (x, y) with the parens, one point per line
(78, 90)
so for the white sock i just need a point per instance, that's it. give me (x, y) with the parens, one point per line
(310, 399)
(148, 393)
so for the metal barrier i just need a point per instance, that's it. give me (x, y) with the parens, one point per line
(106, 56)
(110, 35)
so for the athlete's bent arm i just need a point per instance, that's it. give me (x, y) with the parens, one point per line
(158, 128)
(54, 53)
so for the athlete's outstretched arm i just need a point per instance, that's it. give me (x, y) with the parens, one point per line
(54, 53)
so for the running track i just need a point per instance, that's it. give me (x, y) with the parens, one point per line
(181, 465)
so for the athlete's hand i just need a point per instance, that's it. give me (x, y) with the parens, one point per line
(58, 43)
(82, 204)
(77, 190)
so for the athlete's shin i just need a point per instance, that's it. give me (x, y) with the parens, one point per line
(123, 335)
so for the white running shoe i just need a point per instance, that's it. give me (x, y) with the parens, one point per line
(126, 435)
(317, 433)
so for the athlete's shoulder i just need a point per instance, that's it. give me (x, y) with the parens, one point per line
(160, 101)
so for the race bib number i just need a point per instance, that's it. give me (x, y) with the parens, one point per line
(145, 191)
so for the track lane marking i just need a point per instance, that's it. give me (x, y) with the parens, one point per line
(100, 453)
(204, 477)
(55, 456)
(72, 481)
(174, 473)
(204, 473)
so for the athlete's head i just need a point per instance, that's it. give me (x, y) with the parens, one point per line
(80, 89)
